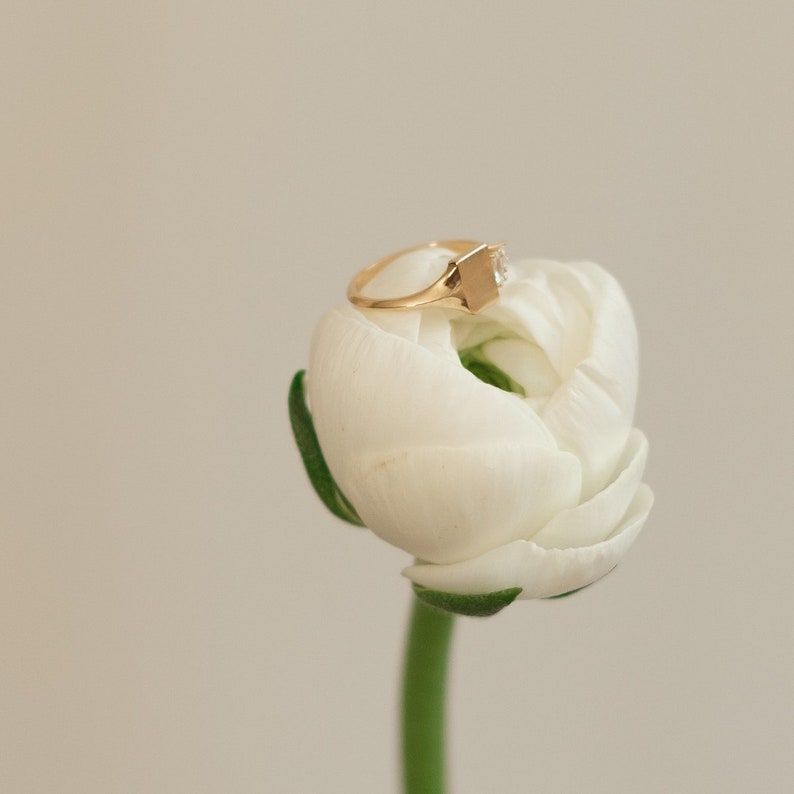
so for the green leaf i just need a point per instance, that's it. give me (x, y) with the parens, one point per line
(479, 606)
(309, 447)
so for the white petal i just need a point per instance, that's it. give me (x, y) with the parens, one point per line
(594, 520)
(472, 330)
(578, 315)
(586, 421)
(435, 335)
(405, 324)
(370, 390)
(530, 312)
(591, 412)
(540, 572)
(448, 504)
(525, 363)
(410, 273)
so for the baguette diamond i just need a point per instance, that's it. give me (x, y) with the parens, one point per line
(499, 260)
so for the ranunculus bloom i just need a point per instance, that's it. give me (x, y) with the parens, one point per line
(537, 488)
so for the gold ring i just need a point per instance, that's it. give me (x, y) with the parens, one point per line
(470, 283)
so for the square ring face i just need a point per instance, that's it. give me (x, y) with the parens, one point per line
(477, 279)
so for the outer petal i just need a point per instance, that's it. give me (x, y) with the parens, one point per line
(445, 504)
(579, 316)
(406, 275)
(541, 573)
(591, 412)
(370, 390)
(595, 519)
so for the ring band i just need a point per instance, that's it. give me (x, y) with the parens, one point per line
(470, 283)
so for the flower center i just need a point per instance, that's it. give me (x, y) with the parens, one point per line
(475, 362)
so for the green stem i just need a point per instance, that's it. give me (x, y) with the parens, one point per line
(423, 699)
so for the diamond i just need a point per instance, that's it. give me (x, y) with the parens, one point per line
(499, 262)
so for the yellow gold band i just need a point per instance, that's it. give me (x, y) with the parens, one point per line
(470, 283)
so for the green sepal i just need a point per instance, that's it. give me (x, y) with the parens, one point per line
(477, 606)
(309, 448)
(569, 593)
(578, 589)
(484, 370)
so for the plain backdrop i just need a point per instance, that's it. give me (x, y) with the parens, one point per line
(185, 188)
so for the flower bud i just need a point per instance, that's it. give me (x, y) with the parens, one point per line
(496, 448)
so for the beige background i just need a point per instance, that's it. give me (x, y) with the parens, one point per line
(185, 188)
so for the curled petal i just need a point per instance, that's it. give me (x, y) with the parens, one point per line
(537, 304)
(579, 317)
(525, 363)
(588, 422)
(448, 504)
(370, 390)
(591, 413)
(593, 520)
(539, 572)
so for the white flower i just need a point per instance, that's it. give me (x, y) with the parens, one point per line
(538, 488)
